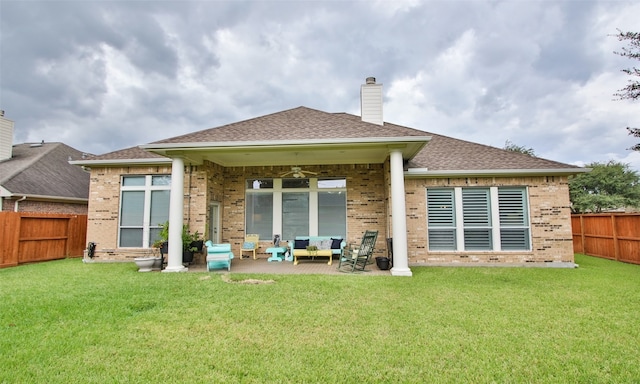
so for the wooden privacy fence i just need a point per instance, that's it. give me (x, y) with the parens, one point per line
(26, 237)
(613, 236)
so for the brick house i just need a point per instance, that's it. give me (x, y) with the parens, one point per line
(302, 171)
(37, 177)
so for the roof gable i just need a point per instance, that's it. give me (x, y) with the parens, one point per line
(299, 123)
(304, 124)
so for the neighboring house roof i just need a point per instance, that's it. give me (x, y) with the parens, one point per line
(43, 170)
(441, 155)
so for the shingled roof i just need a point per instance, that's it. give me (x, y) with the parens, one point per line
(294, 124)
(43, 169)
(442, 153)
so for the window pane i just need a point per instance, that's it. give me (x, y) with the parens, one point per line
(513, 239)
(131, 237)
(477, 239)
(259, 214)
(332, 214)
(154, 235)
(295, 183)
(442, 239)
(332, 183)
(295, 215)
(161, 180)
(441, 219)
(440, 208)
(133, 181)
(476, 207)
(260, 184)
(159, 207)
(512, 207)
(132, 209)
(514, 220)
(476, 211)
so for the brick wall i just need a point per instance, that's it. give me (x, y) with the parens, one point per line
(549, 213)
(366, 201)
(104, 203)
(8, 205)
(368, 208)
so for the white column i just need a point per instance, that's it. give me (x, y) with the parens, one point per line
(176, 208)
(398, 215)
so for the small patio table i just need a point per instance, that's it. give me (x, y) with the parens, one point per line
(277, 253)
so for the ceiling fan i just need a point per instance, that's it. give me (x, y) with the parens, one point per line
(298, 172)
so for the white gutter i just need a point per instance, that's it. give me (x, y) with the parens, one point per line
(423, 172)
(17, 203)
(48, 198)
(281, 143)
(154, 161)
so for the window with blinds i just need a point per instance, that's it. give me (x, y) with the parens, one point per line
(476, 211)
(479, 222)
(514, 219)
(441, 219)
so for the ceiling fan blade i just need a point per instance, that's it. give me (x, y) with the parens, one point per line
(286, 173)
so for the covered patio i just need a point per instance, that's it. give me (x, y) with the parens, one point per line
(262, 266)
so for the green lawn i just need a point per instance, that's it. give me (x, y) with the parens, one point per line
(67, 322)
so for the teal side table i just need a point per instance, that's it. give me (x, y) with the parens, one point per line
(277, 253)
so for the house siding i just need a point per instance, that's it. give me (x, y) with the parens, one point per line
(368, 208)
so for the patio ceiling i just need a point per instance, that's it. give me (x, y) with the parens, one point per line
(345, 151)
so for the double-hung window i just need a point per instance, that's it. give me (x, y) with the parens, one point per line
(478, 219)
(144, 205)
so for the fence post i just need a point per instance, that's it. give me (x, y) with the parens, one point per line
(584, 249)
(614, 231)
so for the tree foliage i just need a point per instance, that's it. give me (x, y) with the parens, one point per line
(608, 186)
(509, 146)
(632, 90)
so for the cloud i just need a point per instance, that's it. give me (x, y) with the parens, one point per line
(105, 75)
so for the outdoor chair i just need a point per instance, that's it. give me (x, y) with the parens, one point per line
(218, 256)
(355, 260)
(250, 245)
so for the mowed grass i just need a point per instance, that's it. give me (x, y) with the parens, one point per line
(66, 322)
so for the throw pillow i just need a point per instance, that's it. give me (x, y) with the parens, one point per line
(325, 244)
(300, 244)
(316, 243)
(335, 243)
(248, 245)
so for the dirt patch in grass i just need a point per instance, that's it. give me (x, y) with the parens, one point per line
(227, 279)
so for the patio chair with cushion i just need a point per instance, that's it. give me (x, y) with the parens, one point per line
(355, 260)
(250, 245)
(218, 256)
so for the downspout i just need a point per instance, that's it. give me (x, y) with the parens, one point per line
(16, 204)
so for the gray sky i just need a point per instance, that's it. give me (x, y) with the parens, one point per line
(106, 75)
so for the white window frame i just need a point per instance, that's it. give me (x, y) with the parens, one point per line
(313, 191)
(147, 188)
(495, 227)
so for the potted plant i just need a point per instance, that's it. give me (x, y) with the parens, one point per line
(191, 242)
(162, 243)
